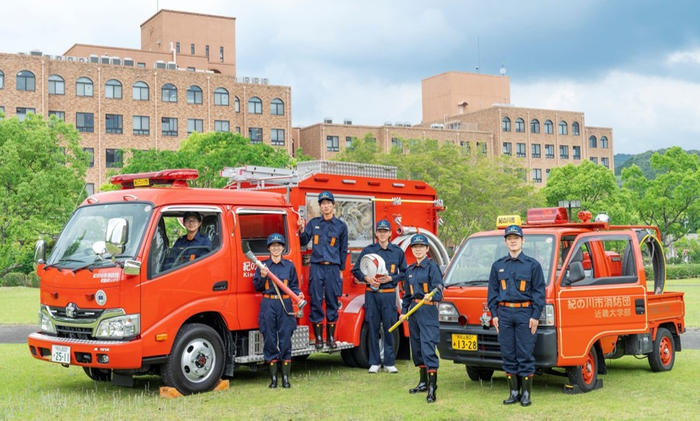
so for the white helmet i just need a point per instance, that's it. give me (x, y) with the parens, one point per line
(372, 265)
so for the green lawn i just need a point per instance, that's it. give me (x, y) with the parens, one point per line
(19, 305)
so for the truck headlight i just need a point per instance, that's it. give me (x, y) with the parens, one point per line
(448, 313)
(547, 317)
(119, 327)
(45, 323)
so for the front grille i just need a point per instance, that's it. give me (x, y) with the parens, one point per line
(87, 314)
(488, 343)
(73, 332)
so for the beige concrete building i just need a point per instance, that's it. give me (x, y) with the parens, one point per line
(117, 104)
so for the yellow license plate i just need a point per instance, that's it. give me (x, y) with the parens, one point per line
(464, 342)
(141, 182)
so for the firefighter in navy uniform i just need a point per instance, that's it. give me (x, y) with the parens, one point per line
(516, 300)
(380, 295)
(276, 318)
(329, 236)
(421, 278)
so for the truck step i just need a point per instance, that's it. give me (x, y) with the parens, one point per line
(258, 358)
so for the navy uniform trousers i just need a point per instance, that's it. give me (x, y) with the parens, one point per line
(380, 307)
(425, 335)
(517, 343)
(324, 282)
(276, 327)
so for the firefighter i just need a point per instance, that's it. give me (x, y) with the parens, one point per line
(516, 300)
(380, 295)
(329, 236)
(276, 318)
(421, 278)
(190, 246)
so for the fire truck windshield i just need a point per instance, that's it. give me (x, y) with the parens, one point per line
(88, 226)
(472, 264)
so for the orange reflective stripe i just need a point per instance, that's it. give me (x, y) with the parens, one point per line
(393, 267)
(522, 285)
(503, 283)
(411, 287)
(267, 285)
(425, 287)
(315, 238)
(332, 241)
(192, 257)
(286, 281)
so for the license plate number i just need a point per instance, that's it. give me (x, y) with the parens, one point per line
(464, 342)
(60, 354)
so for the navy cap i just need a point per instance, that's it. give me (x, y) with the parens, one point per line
(419, 239)
(383, 225)
(195, 214)
(326, 195)
(513, 230)
(275, 238)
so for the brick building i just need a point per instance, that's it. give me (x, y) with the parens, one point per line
(122, 99)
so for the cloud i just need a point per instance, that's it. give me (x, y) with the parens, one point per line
(684, 57)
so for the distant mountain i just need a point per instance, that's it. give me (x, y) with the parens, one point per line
(623, 161)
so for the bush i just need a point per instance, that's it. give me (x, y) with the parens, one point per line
(677, 271)
(32, 280)
(14, 279)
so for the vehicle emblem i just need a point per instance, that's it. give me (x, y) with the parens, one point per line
(100, 297)
(71, 308)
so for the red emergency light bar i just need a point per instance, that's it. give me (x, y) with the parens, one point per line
(174, 178)
(543, 216)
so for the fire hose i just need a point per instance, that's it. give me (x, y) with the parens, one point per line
(438, 252)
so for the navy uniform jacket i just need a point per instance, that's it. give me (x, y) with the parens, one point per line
(394, 260)
(330, 240)
(420, 280)
(284, 270)
(516, 280)
(199, 246)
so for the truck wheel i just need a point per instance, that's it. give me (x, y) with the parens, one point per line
(663, 355)
(98, 374)
(348, 357)
(479, 373)
(196, 361)
(585, 376)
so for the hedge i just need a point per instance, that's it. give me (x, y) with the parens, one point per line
(19, 279)
(681, 271)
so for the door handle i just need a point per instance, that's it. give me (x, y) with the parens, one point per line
(220, 286)
(639, 306)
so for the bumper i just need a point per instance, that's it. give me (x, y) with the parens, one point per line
(488, 353)
(89, 353)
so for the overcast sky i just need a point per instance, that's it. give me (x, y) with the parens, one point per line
(631, 65)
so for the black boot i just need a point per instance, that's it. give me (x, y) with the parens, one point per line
(318, 332)
(422, 385)
(527, 389)
(286, 368)
(273, 374)
(330, 332)
(514, 386)
(432, 386)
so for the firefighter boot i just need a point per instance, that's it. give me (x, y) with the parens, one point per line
(330, 332)
(422, 385)
(527, 389)
(286, 368)
(514, 386)
(432, 386)
(273, 374)
(318, 332)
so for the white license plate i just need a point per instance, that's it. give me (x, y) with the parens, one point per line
(60, 354)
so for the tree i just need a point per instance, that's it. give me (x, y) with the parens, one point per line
(42, 180)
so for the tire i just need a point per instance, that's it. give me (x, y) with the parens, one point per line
(585, 376)
(663, 354)
(98, 374)
(361, 352)
(196, 361)
(348, 357)
(479, 373)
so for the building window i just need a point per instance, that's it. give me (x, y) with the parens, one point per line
(206, 51)
(83, 87)
(114, 123)
(220, 96)
(60, 115)
(505, 124)
(91, 156)
(276, 107)
(592, 142)
(563, 128)
(466, 147)
(25, 81)
(141, 65)
(2, 111)
(84, 122)
(139, 91)
(115, 158)
(548, 127)
(168, 93)
(564, 151)
(90, 188)
(113, 89)
(192, 49)
(277, 137)
(177, 47)
(332, 144)
(605, 162)
(57, 86)
(575, 129)
(577, 152)
(549, 151)
(238, 129)
(520, 125)
(142, 125)
(603, 142)
(221, 54)
(2, 79)
(22, 112)
(168, 126)
(396, 143)
(255, 105)
(594, 160)
(194, 95)
(482, 148)
(520, 150)
(195, 125)
(348, 141)
(536, 175)
(255, 134)
(507, 148)
(536, 150)
(222, 126)
(535, 126)
(236, 105)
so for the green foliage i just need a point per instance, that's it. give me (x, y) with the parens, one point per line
(688, 250)
(14, 279)
(641, 160)
(679, 271)
(42, 179)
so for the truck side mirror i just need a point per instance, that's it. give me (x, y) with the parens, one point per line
(40, 252)
(117, 235)
(575, 273)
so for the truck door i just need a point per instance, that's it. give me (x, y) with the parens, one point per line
(599, 292)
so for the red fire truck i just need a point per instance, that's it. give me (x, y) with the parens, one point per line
(111, 303)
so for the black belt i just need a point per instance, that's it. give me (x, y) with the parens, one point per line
(326, 263)
(515, 305)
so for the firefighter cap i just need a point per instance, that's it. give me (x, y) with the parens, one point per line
(513, 230)
(326, 195)
(419, 239)
(275, 238)
(383, 225)
(195, 214)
